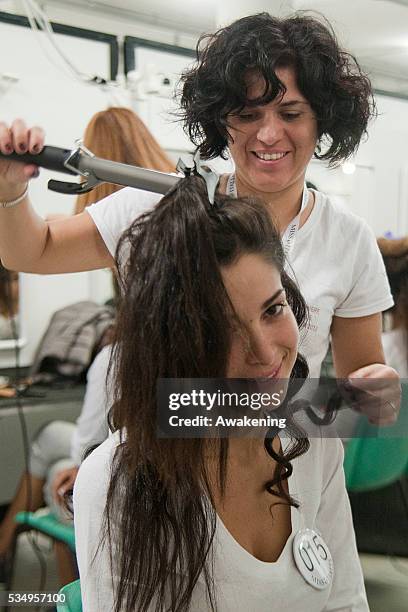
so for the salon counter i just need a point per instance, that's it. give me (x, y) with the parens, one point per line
(48, 405)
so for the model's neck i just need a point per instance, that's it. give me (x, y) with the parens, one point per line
(283, 205)
(247, 460)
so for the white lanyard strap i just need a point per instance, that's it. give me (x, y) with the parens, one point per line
(289, 235)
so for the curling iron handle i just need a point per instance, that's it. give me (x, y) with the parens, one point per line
(52, 158)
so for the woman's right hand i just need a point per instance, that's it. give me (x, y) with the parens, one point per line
(21, 139)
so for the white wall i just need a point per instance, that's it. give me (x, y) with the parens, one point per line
(378, 190)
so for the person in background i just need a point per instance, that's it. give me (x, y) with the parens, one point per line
(118, 134)
(9, 303)
(55, 457)
(395, 336)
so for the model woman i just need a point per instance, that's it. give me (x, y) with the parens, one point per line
(212, 523)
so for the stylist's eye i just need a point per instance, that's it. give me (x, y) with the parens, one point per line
(246, 117)
(291, 116)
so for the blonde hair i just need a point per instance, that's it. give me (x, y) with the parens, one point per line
(120, 135)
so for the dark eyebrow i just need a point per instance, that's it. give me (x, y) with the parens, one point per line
(293, 103)
(270, 300)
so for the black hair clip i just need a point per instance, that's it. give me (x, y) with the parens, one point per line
(210, 177)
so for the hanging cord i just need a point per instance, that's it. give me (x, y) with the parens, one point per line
(23, 425)
(40, 24)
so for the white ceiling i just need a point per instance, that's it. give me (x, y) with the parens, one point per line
(375, 30)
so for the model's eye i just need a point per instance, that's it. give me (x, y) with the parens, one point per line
(275, 310)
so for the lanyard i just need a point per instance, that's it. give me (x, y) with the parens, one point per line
(289, 235)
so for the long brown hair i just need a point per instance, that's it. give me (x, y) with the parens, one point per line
(120, 135)
(175, 322)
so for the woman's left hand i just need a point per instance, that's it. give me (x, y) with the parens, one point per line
(375, 390)
(64, 481)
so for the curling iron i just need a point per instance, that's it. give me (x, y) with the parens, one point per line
(95, 170)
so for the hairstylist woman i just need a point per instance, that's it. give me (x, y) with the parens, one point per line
(210, 524)
(276, 92)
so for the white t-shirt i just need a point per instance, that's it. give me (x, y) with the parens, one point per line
(92, 424)
(243, 583)
(395, 345)
(335, 260)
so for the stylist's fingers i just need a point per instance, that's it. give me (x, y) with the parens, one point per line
(36, 137)
(373, 371)
(64, 481)
(5, 138)
(375, 391)
(19, 134)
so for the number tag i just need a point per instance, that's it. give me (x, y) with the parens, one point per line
(313, 558)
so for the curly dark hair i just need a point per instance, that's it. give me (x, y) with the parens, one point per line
(331, 79)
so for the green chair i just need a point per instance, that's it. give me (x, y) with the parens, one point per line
(49, 525)
(72, 595)
(378, 456)
(376, 471)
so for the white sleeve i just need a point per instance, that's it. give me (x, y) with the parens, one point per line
(90, 492)
(92, 424)
(335, 519)
(370, 291)
(115, 213)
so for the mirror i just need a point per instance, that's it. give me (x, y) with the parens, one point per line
(9, 306)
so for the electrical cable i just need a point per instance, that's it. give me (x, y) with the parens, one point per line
(40, 24)
(23, 425)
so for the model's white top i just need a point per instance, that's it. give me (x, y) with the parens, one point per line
(335, 260)
(92, 425)
(243, 583)
(395, 344)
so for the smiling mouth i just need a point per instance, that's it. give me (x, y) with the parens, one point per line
(271, 375)
(269, 156)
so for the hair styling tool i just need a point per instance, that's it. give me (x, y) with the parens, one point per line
(95, 170)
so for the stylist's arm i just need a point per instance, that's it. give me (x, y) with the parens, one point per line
(373, 388)
(28, 243)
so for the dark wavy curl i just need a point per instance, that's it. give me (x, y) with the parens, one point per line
(328, 77)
